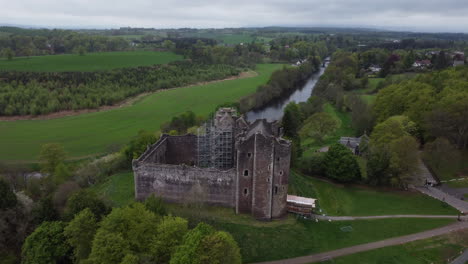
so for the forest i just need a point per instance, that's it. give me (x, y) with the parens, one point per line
(36, 93)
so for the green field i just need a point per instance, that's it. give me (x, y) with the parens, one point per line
(118, 190)
(291, 237)
(93, 133)
(305, 237)
(345, 200)
(437, 250)
(88, 62)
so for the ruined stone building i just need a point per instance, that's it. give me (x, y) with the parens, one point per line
(230, 162)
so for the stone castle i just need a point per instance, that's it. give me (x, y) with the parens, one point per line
(230, 162)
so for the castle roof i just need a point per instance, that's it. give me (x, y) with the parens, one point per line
(260, 126)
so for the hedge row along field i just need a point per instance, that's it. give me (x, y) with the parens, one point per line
(94, 133)
(89, 62)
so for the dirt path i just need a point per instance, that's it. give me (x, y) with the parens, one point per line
(351, 218)
(124, 103)
(370, 246)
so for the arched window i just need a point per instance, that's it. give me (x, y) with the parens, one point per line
(246, 191)
(246, 172)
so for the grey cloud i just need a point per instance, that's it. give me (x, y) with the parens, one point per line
(427, 15)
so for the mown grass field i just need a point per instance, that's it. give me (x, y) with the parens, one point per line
(345, 200)
(437, 250)
(279, 239)
(93, 133)
(89, 62)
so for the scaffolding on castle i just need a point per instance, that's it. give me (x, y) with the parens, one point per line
(215, 146)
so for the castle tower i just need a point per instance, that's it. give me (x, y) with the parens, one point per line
(263, 161)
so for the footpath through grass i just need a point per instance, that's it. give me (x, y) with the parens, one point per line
(437, 250)
(89, 62)
(343, 200)
(94, 133)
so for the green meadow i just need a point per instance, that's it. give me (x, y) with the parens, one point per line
(89, 62)
(94, 133)
(436, 250)
(349, 200)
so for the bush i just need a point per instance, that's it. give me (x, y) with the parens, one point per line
(313, 165)
(341, 165)
(85, 199)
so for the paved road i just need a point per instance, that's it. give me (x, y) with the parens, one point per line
(461, 259)
(374, 245)
(440, 195)
(349, 218)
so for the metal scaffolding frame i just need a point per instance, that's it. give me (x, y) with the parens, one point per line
(215, 146)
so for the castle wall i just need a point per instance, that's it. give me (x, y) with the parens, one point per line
(262, 182)
(157, 153)
(245, 163)
(181, 150)
(180, 183)
(281, 162)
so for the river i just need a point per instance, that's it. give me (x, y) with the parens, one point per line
(274, 110)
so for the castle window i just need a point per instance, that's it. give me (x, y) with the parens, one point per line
(268, 179)
(281, 172)
(246, 191)
(277, 159)
(249, 154)
(276, 189)
(246, 172)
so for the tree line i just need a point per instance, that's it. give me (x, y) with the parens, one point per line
(36, 93)
(27, 42)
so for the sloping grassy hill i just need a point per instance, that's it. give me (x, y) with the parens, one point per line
(348, 200)
(89, 62)
(93, 133)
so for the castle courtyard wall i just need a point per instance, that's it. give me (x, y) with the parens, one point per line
(181, 183)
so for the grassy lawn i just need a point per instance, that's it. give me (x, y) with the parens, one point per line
(88, 62)
(437, 250)
(93, 133)
(373, 83)
(339, 200)
(118, 190)
(304, 237)
(345, 129)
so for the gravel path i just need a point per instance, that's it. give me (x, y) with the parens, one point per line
(462, 259)
(370, 246)
(350, 218)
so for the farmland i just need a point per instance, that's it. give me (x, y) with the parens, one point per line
(93, 133)
(89, 62)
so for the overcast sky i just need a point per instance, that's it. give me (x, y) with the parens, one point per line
(414, 15)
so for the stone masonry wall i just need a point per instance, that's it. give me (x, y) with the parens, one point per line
(180, 183)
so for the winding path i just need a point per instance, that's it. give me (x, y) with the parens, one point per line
(370, 246)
